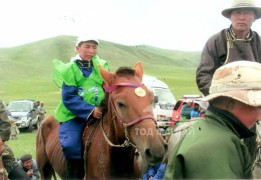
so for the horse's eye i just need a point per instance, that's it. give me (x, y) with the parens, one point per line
(120, 105)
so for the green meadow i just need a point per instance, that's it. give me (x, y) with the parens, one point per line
(26, 72)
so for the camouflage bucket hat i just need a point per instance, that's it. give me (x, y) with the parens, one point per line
(240, 80)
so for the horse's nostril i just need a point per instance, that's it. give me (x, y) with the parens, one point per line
(156, 156)
(148, 153)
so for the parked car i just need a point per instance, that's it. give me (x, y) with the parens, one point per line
(177, 108)
(25, 112)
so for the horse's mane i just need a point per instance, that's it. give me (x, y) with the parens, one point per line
(120, 72)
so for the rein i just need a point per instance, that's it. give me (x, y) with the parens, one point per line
(127, 141)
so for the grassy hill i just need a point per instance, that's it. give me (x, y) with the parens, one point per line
(26, 71)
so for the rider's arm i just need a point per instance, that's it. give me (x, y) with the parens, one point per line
(75, 103)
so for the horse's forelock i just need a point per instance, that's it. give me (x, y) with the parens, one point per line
(125, 71)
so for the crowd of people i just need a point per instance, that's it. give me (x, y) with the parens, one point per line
(190, 110)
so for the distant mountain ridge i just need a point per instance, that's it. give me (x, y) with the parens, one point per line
(62, 47)
(27, 65)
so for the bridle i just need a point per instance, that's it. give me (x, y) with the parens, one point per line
(116, 116)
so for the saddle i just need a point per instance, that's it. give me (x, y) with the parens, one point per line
(94, 124)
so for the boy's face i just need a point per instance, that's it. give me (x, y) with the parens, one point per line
(87, 50)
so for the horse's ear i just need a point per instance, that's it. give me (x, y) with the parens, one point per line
(139, 70)
(106, 75)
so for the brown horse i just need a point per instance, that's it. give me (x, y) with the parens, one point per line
(111, 142)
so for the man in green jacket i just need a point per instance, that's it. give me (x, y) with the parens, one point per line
(212, 147)
(13, 169)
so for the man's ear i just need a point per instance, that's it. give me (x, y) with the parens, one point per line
(231, 104)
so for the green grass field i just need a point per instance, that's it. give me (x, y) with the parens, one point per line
(26, 143)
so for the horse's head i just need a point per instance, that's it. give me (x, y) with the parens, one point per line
(131, 102)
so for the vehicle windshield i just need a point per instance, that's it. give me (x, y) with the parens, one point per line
(165, 97)
(19, 107)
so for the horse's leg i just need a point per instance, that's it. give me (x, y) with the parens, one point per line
(42, 159)
(55, 154)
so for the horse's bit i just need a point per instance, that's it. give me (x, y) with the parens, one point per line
(127, 142)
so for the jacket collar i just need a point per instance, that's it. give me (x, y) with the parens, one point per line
(223, 116)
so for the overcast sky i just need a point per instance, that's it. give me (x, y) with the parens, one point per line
(173, 24)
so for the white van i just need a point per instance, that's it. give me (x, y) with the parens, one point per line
(164, 100)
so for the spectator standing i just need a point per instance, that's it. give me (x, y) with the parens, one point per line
(238, 42)
(14, 131)
(186, 109)
(41, 111)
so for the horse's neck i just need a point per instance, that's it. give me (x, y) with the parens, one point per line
(116, 135)
(123, 162)
(122, 159)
